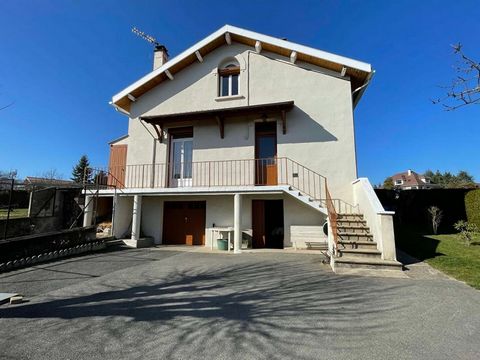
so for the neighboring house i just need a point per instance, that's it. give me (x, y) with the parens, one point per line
(410, 180)
(251, 135)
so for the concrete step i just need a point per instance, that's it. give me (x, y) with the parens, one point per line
(356, 222)
(354, 236)
(346, 216)
(360, 253)
(353, 244)
(353, 229)
(365, 263)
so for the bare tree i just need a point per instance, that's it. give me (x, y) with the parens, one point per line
(52, 174)
(465, 87)
(436, 215)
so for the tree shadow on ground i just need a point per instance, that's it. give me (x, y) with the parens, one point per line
(251, 308)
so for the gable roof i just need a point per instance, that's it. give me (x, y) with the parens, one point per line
(359, 72)
(412, 179)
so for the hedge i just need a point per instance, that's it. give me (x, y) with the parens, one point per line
(472, 206)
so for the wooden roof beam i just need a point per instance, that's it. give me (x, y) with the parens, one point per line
(228, 38)
(199, 56)
(293, 57)
(221, 125)
(258, 46)
(169, 74)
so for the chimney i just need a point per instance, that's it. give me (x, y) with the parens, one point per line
(160, 56)
(409, 172)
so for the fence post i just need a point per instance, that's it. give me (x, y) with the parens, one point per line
(9, 208)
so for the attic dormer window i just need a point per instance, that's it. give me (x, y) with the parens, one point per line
(229, 75)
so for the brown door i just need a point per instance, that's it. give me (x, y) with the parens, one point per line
(184, 223)
(266, 153)
(116, 165)
(267, 224)
(258, 224)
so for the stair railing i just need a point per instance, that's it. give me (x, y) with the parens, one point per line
(332, 218)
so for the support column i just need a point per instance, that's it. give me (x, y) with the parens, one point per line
(136, 217)
(237, 223)
(88, 211)
(114, 211)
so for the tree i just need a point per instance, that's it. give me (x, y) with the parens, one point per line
(436, 215)
(81, 170)
(52, 174)
(11, 174)
(465, 88)
(448, 180)
(388, 183)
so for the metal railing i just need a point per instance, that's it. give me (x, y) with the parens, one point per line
(332, 217)
(245, 172)
(219, 173)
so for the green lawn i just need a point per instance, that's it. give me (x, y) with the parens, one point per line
(446, 253)
(17, 213)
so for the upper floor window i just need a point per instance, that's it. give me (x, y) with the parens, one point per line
(229, 76)
(398, 182)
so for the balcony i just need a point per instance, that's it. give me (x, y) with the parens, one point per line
(212, 174)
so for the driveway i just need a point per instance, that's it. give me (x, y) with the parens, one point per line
(164, 304)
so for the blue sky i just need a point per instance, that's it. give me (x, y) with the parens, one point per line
(61, 61)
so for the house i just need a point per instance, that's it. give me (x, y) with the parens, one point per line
(250, 137)
(410, 180)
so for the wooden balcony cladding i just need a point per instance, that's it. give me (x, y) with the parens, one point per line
(262, 110)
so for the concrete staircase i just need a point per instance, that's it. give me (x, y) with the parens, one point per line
(305, 199)
(357, 248)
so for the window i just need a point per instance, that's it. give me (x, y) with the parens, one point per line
(398, 182)
(229, 80)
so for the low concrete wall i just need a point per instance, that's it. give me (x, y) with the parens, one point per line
(378, 220)
(27, 250)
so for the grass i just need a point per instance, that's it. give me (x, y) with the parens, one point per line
(446, 253)
(14, 214)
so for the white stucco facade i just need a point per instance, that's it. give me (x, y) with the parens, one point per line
(319, 128)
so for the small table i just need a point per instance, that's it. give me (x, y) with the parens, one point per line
(219, 230)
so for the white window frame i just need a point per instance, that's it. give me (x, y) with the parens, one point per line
(398, 182)
(230, 81)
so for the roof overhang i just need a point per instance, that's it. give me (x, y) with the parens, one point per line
(358, 72)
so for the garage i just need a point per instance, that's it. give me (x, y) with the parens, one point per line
(184, 222)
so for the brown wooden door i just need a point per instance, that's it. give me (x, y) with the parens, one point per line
(116, 165)
(184, 223)
(258, 224)
(267, 224)
(266, 153)
(195, 223)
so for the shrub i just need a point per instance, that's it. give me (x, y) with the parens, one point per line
(436, 215)
(472, 206)
(467, 231)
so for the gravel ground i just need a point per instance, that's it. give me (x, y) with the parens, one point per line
(163, 304)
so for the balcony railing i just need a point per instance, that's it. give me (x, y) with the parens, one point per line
(222, 173)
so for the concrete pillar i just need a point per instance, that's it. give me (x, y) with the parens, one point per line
(114, 210)
(88, 211)
(136, 217)
(237, 223)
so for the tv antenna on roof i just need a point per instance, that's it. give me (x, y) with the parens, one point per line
(145, 37)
